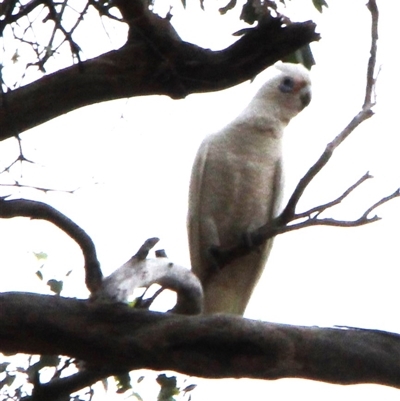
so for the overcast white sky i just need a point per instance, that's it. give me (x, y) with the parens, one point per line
(131, 160)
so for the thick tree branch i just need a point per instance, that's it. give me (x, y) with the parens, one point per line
(119, 338)
(153, 61)
(38, 210)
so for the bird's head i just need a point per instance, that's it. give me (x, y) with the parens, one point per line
(287, 91)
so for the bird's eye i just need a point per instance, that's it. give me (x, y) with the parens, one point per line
(286, 85)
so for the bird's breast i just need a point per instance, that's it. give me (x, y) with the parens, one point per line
(241, 189)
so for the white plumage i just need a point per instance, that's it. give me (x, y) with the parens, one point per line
(236, 187)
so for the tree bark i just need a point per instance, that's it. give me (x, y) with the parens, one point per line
(113, 338)
(154, 61)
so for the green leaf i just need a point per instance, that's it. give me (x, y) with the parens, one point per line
(318, 4)
(168, 388)
(49, 360)
(132, 304)
(43, 362)
(249, 13)
(104, 382)
(123, 382)
(136, 395)
(3, 366)
(55, 285)
(301, 56)
(229, 6)
(40, 255)
(15, 57)
(7, 381)
(190, 387)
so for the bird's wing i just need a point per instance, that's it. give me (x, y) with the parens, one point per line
(228, 290)
(277, 189)
(193, 221)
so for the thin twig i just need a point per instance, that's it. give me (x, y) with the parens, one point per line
(395, 194)
(364, 114)
(364, 219)
(369, 94)
(289, 211)
(321, 208)
(17, 184)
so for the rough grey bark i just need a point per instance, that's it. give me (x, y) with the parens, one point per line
(154, 61)
(116, 338)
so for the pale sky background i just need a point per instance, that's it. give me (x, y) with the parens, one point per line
(131, 161)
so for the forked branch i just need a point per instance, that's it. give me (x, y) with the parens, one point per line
(136, 272)
(140, 272)
(289, 220)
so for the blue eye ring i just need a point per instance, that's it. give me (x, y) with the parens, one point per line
(286, 85)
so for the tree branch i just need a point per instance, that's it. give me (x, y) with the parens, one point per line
(369, 93)
(135, 273)
(289, 212)
(38, 210)
(364, 114)
(118, 338)
(59, 389)
(286, 220)
(141, 272)
(153, 61)
(321, 208)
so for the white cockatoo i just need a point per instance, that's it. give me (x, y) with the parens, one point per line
(236, 187)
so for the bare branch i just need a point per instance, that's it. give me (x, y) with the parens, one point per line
(364, 114)
(286, 221)
(141, 272)
(144, 250)
(137, 272)
(369, 93)
(17, 184)
(39, 210)
(19, 159)
(289, 211)
(10, 16)
(319, 209)
(223, 256)
(395, 194)
(364, 219)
